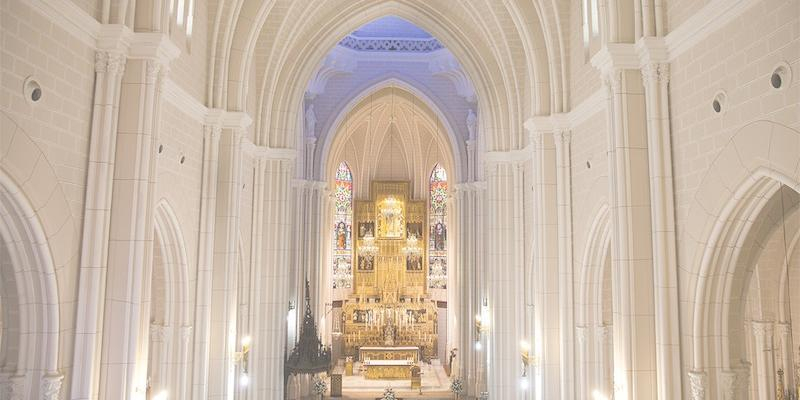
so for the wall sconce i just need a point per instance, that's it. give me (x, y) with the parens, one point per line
(291, 305)
(162, 395)
(242, 357)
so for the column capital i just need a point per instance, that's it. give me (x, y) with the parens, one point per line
(698, 384)
(51, 386)
(112, 62)
(655, 72)
(762, 329)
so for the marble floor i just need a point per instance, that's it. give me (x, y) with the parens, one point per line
(435, 384)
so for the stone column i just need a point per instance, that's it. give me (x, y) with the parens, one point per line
(605, 363)
(584, 364)
(635, 366)
(563, 150)
(109, 67)
(546, 276)
(505, 278)
(126, 309)
(205, 260)
(270, 279)
(467, 248)
(784, 359)
(158, 364)
(224, 276)
(655, 75)
(764, 359)
(182, 374)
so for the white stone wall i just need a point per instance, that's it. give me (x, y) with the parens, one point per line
(44, 146)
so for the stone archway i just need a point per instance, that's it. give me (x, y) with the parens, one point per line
(29, 300)
(759, 159)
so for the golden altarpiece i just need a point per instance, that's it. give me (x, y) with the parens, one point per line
(389, 315)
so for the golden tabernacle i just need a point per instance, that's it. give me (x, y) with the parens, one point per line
(389, 321)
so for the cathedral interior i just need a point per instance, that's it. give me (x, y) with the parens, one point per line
(399, 199)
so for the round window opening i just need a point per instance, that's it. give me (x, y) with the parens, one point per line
(781, 76)
(31, 90)
(776, 81)
(718, 104)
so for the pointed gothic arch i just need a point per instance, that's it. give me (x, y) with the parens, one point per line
(30, 344)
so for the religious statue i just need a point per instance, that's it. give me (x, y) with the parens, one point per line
(341, 236)
(366, 229)
(413, 263)
(388, 334)
(391, 222)
(452, 356)
(472, 123)
(366, 263)
(311, 121)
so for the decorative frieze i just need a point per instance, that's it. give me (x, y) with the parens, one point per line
(385, 44)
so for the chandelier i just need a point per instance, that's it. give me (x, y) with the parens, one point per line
(412, 248)
(391, 208)
(368, 247)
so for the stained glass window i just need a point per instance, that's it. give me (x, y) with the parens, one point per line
(437, 239)
(342, 262)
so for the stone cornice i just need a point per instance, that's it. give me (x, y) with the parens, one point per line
(715, 15)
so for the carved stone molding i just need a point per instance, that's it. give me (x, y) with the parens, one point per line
(158, 333)
(612, 81)
(734, 384)
(562, 136)
(698, 383)
(603, 333)
(15, 388)
(655, 72)
(762, 329)
(51, 386)
(109, 62)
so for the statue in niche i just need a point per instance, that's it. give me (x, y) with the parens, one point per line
(414, 229)
(341, 236)
(413, 263)
(438, 236)
(472, 123)
(311, 121)
(366, 263)
(366, 229)
(389, 333)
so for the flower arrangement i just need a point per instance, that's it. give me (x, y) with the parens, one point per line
(389, 394)
(457, 386)
(320, 386)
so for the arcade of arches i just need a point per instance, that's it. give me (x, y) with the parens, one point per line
(479, 199)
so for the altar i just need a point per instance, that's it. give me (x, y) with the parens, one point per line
(389, 353)
(388, 369)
